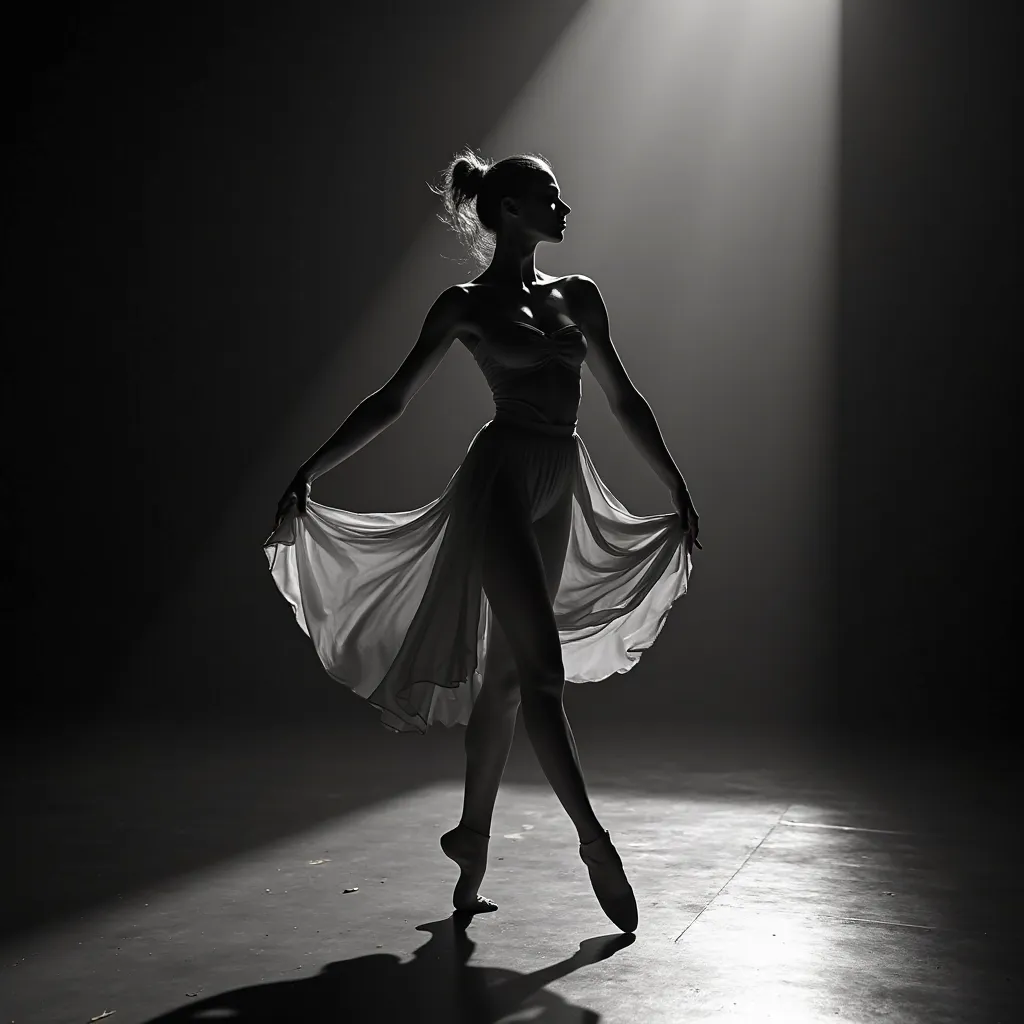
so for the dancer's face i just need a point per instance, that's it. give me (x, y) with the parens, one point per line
(540, 213)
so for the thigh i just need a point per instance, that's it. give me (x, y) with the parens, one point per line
(551, 532)
(515, 582)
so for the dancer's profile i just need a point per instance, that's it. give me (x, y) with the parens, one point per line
(526, 572)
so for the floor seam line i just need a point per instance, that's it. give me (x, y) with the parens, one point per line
(742, 865)
(845, 828)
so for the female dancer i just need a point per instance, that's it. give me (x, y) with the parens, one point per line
(503, 526)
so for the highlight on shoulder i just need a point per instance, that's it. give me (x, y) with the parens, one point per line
(586, 301)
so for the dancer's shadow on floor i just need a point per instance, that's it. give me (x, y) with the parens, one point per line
(436, 985)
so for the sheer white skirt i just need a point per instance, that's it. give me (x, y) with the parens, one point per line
(394, 604)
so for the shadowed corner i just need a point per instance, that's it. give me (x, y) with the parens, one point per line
(437, 983)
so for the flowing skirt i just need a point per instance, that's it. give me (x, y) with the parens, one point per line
(394, 602)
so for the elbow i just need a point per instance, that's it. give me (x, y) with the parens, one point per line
(629, 404)
(388, 402)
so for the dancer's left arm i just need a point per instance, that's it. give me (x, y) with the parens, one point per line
(630, 407)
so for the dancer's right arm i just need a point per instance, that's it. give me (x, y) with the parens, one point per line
(441, 326)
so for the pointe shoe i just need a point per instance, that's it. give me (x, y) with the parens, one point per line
(468, 848)
(608, 878)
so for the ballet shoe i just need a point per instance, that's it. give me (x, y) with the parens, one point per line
(608, 878)
(468, 848)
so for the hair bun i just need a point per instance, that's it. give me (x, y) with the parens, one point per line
(467, 176)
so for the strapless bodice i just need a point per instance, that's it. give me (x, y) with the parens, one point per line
(533, 374)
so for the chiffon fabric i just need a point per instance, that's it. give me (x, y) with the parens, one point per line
(394, 602)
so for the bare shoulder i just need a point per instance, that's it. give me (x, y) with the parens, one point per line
(453, 314)
(585, 300)
(469, 303)
(568, 284)
(580, 287)
(452, 305)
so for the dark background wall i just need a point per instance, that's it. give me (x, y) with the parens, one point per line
(205, 198)
(929, 365)
(190, 189)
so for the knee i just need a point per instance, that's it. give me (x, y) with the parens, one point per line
(502, 690)
(509, 700)
(546, 684)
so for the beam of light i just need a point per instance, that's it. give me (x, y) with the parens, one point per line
(695, 142)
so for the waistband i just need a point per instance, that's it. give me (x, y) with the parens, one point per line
(504, 419)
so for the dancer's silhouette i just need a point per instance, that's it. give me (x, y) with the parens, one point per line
(436, 984)
(399, 605)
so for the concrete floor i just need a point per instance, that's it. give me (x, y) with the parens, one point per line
(197, 875)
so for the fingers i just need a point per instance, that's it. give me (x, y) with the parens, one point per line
(691, 528)
(690, 535)
(289, 499)
(293, 496)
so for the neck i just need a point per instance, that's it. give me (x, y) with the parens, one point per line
(513, 264)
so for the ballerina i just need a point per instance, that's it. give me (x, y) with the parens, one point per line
(526, 564)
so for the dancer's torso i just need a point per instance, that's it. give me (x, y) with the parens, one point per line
(529, 349)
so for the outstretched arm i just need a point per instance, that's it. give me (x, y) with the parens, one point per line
(629, 406)
(379, 410)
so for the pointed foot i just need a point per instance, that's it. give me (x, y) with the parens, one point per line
(481, 905)
(469, 850)
(608, 879)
